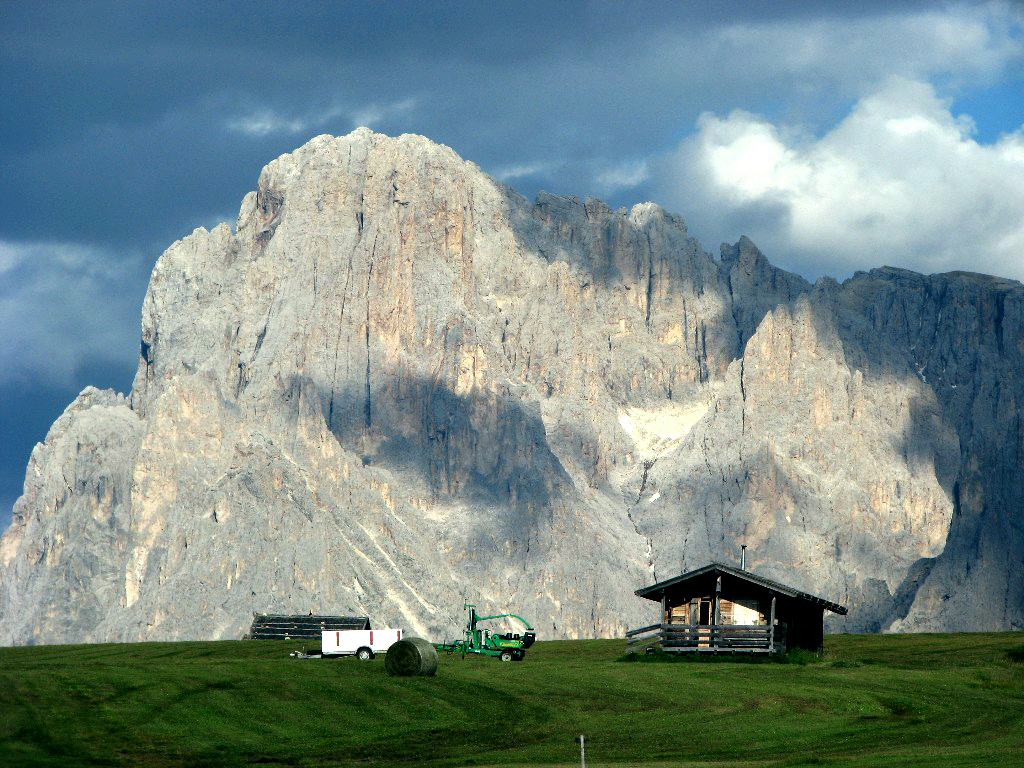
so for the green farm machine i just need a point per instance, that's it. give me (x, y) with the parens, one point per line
(505, 647)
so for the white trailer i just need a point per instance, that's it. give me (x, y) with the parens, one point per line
(364, 644)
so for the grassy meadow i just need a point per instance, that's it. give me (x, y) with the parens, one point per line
(891, 700)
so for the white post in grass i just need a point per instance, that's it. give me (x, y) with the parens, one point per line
(583, 755)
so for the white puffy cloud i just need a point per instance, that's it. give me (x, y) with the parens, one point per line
(61, 306)
(900, 181)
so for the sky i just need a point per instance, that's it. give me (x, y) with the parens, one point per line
(837, 138)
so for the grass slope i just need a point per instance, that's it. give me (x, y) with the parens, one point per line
(892, 700)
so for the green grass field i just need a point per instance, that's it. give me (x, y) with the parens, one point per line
(892, 700)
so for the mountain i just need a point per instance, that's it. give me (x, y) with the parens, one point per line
(399, 385)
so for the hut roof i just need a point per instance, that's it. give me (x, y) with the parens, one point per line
(656, 591)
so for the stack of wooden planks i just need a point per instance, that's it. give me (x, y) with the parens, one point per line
(273, 626)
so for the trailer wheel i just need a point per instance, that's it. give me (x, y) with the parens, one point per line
(364, 654)
(506, 656)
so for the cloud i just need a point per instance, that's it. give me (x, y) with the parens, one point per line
(61, 308)
(524, 170)
(265, 121)
(621, 176)
(900, 180)
(966, 42)
(372, 115)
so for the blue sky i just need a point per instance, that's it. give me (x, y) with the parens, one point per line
(837, 139)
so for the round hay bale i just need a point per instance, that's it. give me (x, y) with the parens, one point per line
(411, 656)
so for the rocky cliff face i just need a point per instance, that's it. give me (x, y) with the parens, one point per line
(399, 384)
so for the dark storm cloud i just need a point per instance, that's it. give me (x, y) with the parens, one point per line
(129, 106)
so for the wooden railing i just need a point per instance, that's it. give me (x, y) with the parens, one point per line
(710, 638)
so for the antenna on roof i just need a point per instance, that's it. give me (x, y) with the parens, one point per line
(743, 557)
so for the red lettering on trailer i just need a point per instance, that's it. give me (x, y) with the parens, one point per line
(399, 634)
(337, 638)
(371, 637)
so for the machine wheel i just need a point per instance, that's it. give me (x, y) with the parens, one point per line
(506, 656)
(364, 654)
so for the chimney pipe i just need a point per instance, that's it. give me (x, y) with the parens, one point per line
(743, 557)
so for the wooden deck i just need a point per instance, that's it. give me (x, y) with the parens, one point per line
(723, 638)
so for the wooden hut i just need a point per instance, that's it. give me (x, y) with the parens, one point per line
(723, 609)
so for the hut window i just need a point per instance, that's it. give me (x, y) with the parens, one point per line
(743, 611)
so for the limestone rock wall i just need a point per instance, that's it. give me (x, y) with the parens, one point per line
(962, 336)
(398, 385)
